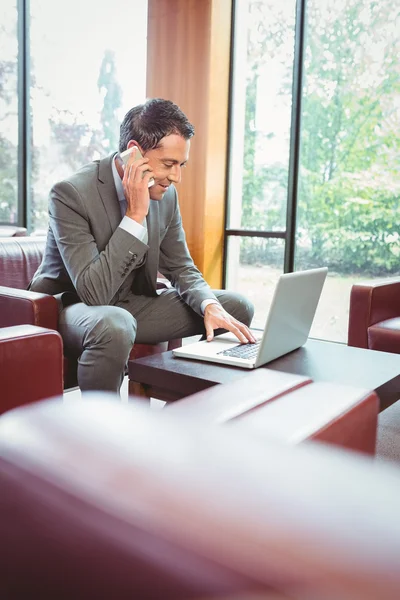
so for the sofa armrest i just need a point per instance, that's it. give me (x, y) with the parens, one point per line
(31, 365)
(19, 307)
(371, 303)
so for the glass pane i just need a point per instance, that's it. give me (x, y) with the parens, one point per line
(88, 69)
(261, 113)
(349, 186)
(8, 113)
(253, 267)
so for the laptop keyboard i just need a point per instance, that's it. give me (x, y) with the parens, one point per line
(247, 351)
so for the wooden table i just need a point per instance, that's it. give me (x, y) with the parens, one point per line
(167, 378)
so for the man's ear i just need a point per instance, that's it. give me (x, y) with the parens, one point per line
(134, 143)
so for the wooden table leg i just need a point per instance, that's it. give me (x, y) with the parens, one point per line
(138, 390)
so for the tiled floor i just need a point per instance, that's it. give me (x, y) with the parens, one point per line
(388, 443)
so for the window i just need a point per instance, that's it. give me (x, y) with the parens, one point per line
(260, 141)
(344, 201)
(8, 114)
(349, 184)
(87, 68)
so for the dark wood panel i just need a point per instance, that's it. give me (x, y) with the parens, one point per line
(321, 361)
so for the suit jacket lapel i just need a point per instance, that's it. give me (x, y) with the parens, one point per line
(153, 230)
(108, 193)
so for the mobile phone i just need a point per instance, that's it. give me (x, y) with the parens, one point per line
(125, 155)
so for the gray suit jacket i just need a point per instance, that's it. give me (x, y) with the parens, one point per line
(89, 255)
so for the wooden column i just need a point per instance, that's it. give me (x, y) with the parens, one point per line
(188, 63)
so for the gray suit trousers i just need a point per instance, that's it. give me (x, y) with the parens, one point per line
(101, 337)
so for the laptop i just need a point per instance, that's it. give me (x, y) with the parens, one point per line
(288, 324)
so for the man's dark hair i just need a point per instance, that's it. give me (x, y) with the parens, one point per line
(148, 123)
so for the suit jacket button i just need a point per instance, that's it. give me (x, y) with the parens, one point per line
(134, 257)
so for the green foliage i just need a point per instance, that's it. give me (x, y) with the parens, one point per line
(8, 151)
(349, 184)
(112, 94)
(351, 225)
(80, 143)
(8, 181)
(263, 41)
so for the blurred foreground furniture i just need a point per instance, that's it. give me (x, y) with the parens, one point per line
(31, 363)
(106, 500)
(288, 408)
(374, 317)
(19, 259)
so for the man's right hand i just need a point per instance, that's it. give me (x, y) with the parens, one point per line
(135, 182)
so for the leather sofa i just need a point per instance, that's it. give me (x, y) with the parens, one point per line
(19, 259)
(374, 316)
(12, 231)
(106, 500)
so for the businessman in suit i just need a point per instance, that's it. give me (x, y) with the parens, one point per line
(109, 234)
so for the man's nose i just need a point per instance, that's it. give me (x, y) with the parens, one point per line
(175, 174)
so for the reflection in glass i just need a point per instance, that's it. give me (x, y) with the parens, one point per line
(88, 70)
(8, 113)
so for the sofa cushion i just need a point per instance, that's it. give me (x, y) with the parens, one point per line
(385, 336)
(19, 259)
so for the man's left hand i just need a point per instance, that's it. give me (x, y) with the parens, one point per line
(216, 317)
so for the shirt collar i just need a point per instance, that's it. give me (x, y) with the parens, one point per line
(117, 180)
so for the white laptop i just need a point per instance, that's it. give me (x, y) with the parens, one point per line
(288, 324)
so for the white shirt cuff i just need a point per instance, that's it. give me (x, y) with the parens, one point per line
(134, 228)
(206, 303)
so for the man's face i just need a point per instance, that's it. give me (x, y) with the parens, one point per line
(167, 162)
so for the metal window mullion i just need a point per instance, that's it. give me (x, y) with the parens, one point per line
(24, 124)
(255, 233)
(229, 141)
(295, 132)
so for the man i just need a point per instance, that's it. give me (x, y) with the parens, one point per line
(109, 234)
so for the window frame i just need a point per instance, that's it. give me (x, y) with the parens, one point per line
(24, 115)
(289, 234)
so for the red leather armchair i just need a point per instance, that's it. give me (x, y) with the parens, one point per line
(19, 259)
(31, 365)
(374, 316)
(107, 500)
